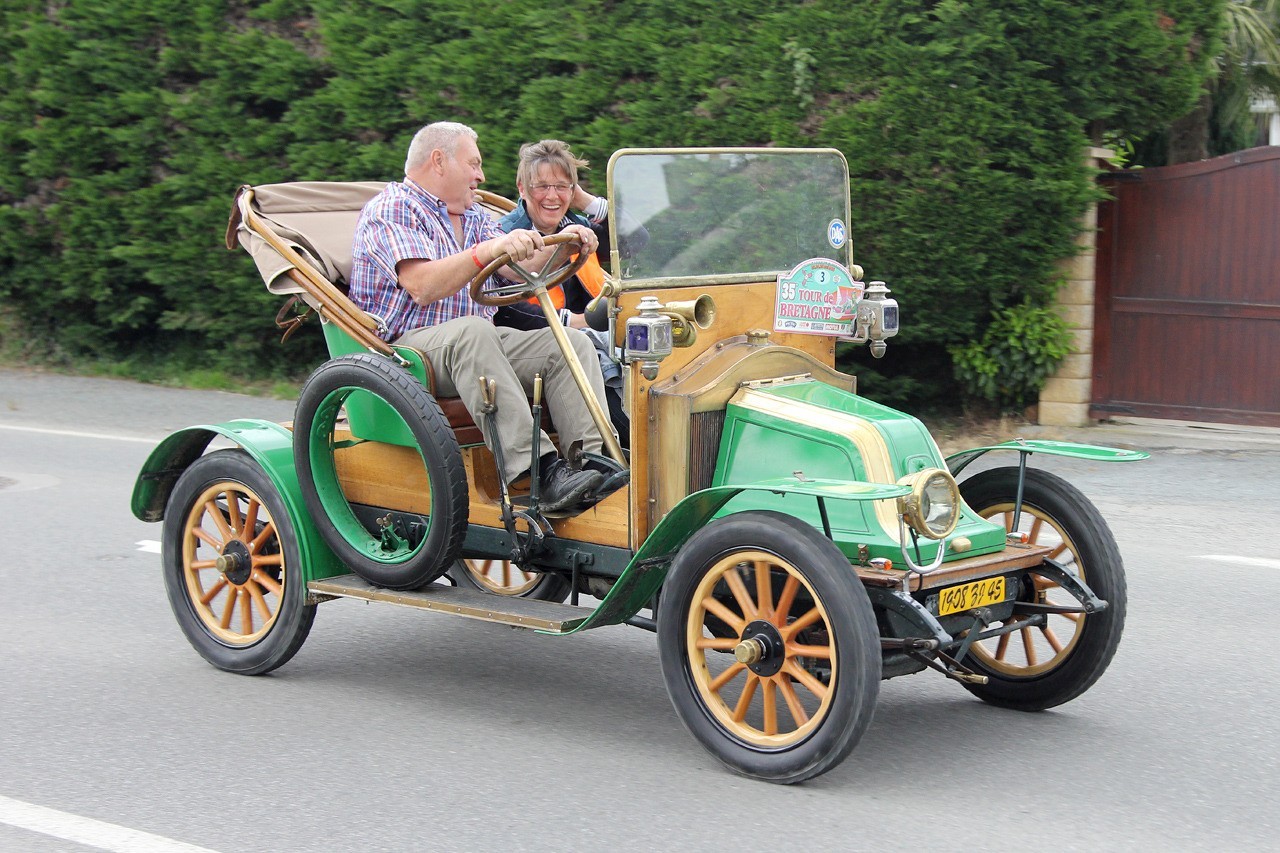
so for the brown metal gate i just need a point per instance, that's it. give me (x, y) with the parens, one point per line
(1187, 305)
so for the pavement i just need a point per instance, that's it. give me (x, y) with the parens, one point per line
(44, 399)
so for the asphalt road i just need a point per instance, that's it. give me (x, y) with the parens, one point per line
(401, 731)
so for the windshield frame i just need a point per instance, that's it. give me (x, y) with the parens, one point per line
(615, 262)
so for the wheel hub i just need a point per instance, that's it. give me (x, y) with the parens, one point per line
(235, 562)
(761, 648)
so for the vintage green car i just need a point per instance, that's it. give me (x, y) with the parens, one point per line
(790, 542)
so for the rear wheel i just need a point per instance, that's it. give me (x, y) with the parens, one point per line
(769, 646)
(231, 566)
(395, 551)
(503, 577)
(1038, 667)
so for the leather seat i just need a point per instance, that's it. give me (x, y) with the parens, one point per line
(464, 427)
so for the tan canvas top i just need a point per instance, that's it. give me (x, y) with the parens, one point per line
(316, 218)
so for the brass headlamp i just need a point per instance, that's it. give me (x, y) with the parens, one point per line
(933, 507)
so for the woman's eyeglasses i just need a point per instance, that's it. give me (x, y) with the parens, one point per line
(543, 189)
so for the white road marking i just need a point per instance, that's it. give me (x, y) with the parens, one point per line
(89, 832)
(1259, 562)
(148, 546)
(77, 434)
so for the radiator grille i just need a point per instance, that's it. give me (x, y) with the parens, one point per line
(705, 429)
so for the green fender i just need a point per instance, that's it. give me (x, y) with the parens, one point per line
(956, 462)
(648, 567)
(270, 446)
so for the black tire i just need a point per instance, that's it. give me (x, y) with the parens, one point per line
(403, 561)
(701, 619)
(254, 617)
(501, 577)
(1055, 513)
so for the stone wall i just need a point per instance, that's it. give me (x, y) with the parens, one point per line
(1064, 400)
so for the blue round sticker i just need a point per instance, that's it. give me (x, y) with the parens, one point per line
(837, 234)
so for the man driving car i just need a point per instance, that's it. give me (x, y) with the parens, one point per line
(417, 245)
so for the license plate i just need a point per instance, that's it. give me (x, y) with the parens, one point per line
(967, 596)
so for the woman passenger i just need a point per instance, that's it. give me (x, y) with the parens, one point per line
(550, 198)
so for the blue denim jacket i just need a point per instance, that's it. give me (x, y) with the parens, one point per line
(519, 218)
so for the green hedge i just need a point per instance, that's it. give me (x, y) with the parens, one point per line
(127, 125)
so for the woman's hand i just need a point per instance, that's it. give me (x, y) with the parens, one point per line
(581, 198)
(588, 237)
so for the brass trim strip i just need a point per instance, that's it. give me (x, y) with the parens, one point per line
(623, 285)
(865, 437)
(1011, 559)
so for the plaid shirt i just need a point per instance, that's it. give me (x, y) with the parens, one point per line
(405, 222)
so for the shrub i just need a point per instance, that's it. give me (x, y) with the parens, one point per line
(1009, 364)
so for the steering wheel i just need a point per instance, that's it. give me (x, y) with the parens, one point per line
(537, 284)
(551, 275)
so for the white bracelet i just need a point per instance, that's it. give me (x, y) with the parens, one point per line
(565, 316)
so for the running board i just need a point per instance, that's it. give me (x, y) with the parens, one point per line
(545, 616)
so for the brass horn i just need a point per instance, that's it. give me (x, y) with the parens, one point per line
(688, 317)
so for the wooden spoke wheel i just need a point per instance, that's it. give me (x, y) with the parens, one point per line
(769, 646)
(1038, 666)
(764, 691)
(503, 577)
(232, 565)
(1034, 650)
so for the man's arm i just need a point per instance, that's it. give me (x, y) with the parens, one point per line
(430, 281)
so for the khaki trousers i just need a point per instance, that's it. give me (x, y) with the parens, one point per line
(463, 350)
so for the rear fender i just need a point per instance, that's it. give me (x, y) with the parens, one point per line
(270, 446)
(642, 578)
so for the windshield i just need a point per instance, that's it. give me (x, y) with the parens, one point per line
(730, 212)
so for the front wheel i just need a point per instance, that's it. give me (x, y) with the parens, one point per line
(232, 567)
(769, 646)
(1038, 667)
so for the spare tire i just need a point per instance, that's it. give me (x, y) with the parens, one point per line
(393, 550)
